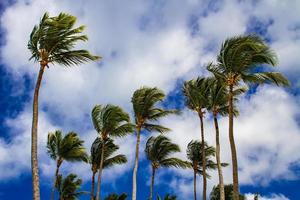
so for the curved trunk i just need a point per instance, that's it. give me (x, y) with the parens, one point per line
(203, 157)
(58, 163)
(136, 163)
(232, 147)
(100, 173)
(195, 184)
(152, 183)
(34, 137)
(93, 186)
(218, 158)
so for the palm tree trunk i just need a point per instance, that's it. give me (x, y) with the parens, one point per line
(34, 137)
(136, 163)
(100, 172)
(232, 147)
(195, 184)
(58, 163)
(152, 183)
(93, 186)
(218, 157)
(203, 156)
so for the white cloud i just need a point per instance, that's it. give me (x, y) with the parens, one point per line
(269, 197)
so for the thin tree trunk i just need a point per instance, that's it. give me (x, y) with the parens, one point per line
(34, 137)
(152, 183)
(233, 149)
(203, 157)
(93, 186)
(195, 185)
(218, 157)
(136, 163)
(100, 172)
(58, 163)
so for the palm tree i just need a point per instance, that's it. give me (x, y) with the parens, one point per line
(144, 102)
(168, 197)
(108, 161)
(194, 154)
(115, 196)
(68, 187)
(215, 193)
(158, 151)
(241, 60)
(109, 121)
(196, 93)
(218, 105)
(68, 147)
(52, 42)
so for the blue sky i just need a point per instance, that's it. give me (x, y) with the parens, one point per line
(154, 43)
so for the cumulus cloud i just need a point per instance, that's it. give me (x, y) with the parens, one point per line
(269, 197)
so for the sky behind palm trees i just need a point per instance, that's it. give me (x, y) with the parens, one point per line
(152, 43)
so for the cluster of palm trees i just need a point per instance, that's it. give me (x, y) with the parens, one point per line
(240, 62)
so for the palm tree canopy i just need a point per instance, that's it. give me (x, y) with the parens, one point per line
(159, 149)
(111, 120)
(196, 93)
(194, 154)
(239, 59)
(215, 193)
(53, 40)
(168, 197)
(115, 196)
(109, 151)
(68, 147)
(144, 102)
(68, 187)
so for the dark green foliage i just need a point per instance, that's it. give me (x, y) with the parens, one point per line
(167, 197)
(115, 196)
(215, 193)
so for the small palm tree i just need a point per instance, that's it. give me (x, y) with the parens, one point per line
(68, 187)
(194, 154)
(158, 151)
(167, 197)
(109, 121)
(241, 60)
(108, 161)
(115, 196)
(52, 41)
(196, 93)
(215, 193)
(144, 102)
(68, 147)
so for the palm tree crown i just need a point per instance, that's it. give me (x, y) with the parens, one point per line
(68, 187)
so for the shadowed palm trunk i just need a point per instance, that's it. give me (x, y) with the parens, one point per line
(100, 173)
(203, 157)
(232, 147)
(93, 186)
(34, 137)
(221, 182)
(59, 161)
(195, 185)
(152, 183)
(136, 163)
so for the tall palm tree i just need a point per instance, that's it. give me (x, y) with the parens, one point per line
(65, 148)
(158, 151)
(196, 93)
(68, 187)
(218, 105)
(115, 196)
(52, 42)
(108, 161)
(146, 113)
(109, 121)
(194, 154)
(241, 60)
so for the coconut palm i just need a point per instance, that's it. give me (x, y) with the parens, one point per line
(68, 187)
(194, 154)
(109, 121)
(215, 193)
(158, 151)
(218, 106)
(108, 161)
(196, 93)
(241, 60)
(115, 196)
(52, 42)
(146, 113)
(65, 148)
(167, 197)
